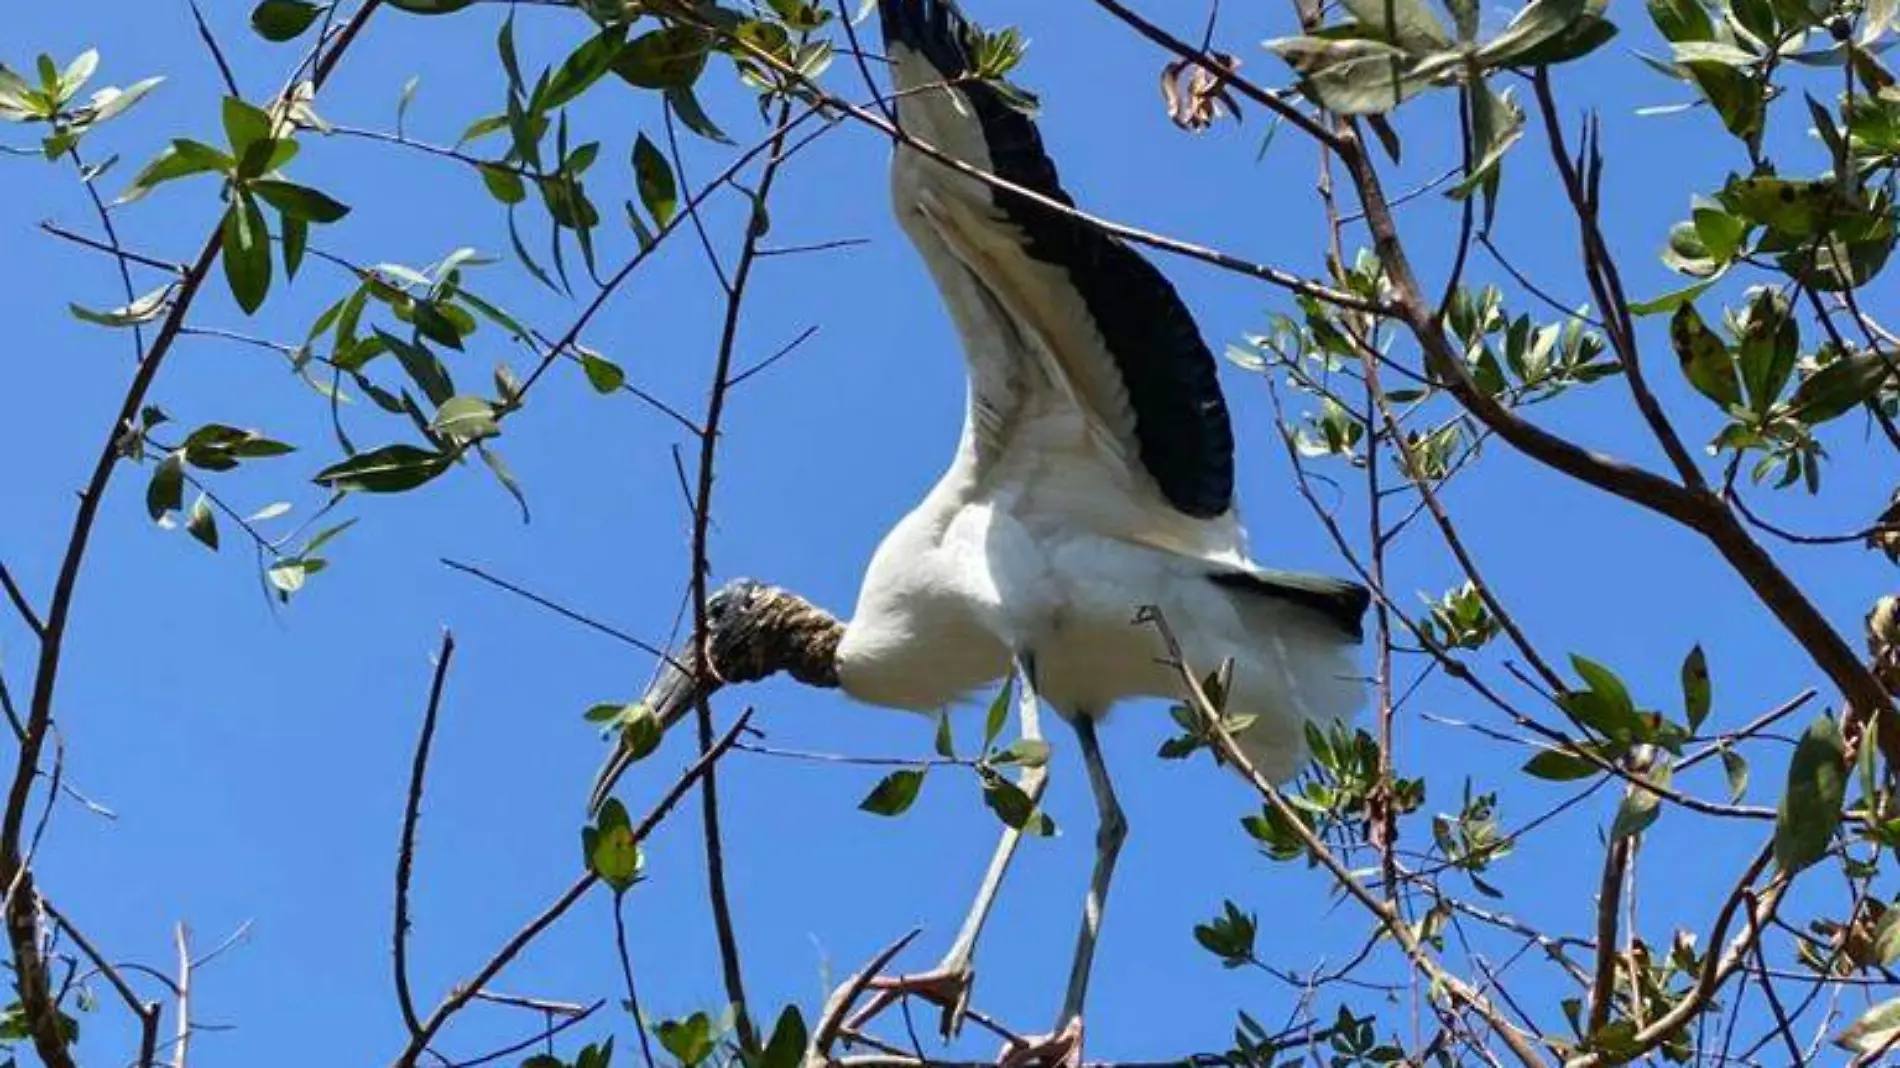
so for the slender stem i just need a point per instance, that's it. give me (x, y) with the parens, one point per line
(717, 392)
(22, 921)
(460, 996)
(20, 603)
(1616, 857)
(112, 250)
(406, 853)
(626, 972)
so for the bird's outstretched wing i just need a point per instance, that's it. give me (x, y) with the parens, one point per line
(1045, 302)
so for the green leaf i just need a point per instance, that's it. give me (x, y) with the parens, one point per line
(298, 201)
(786, 1047)
(1670, 302)
(284, 20)
(244, 125)
(1496, 124)
(668, 58)
(1874, 1031)
(1811, 807)
(503, 184)
(1681, 20)
(390, 469)
(640, 731)
(422, 366)
(288, 576)
(944, 744)
(165, 493)
(1010, 802)
(1579, 39)
(686, 105)
(438, 322)
(181, 160)
(1794, 209)
(296, 241)
(1839, 387)
(998, 714)
(1406, 23)
(1738, 97)
(78, 73)
(202, 524)
(143, 310)
(1602, 681)
(603, 374)
(1704, 359)
(1887, 938)
(1028, 752)
(465, 419)
(611, 851)
(895, 793)
(429, 7)
(1540, 21)
(658, 191)
(690, 1040)
(1356, 76)
(1735, 770)
(246, 253)
(110, 102)
(1696, 691)
(1556, 765)
(218, 447)
(1640, 807)
(581, 69)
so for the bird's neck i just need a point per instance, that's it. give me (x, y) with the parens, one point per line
(777, 630)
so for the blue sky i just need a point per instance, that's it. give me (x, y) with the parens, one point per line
(257, 758)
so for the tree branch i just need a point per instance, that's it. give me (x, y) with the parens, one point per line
(406, 853)
(459, 998)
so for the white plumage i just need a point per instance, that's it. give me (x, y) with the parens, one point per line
(1046, 534)
(1094, 478)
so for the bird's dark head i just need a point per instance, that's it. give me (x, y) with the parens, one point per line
(752, 630)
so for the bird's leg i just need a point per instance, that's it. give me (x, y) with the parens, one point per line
(948, 984)
(1063, 1047)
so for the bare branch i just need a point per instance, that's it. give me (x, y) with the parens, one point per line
(217, 53)
(21, 604)
(406, 853)
(559, 609)
(459, 998)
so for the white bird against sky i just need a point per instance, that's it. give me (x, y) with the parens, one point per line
(1094, 478)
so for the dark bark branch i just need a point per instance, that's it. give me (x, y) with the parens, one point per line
(406, 853)
(459, 998)
(38, 1004)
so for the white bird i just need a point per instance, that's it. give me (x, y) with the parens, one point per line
(1094, 478)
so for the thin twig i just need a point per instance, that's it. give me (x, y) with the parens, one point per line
(784, 350)
(626, 972)
(406, 853)
(217, 53)
(21, 604)
(557, 608)
(736, 289)
(546, 1035)
(64, 234)
(459, 998)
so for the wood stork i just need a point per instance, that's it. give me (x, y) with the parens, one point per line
(1094, 477)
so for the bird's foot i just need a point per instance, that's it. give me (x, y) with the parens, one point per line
(1061, 1049)
(947, 986)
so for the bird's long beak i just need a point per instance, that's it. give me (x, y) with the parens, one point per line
(677, 691)
(752, 631)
